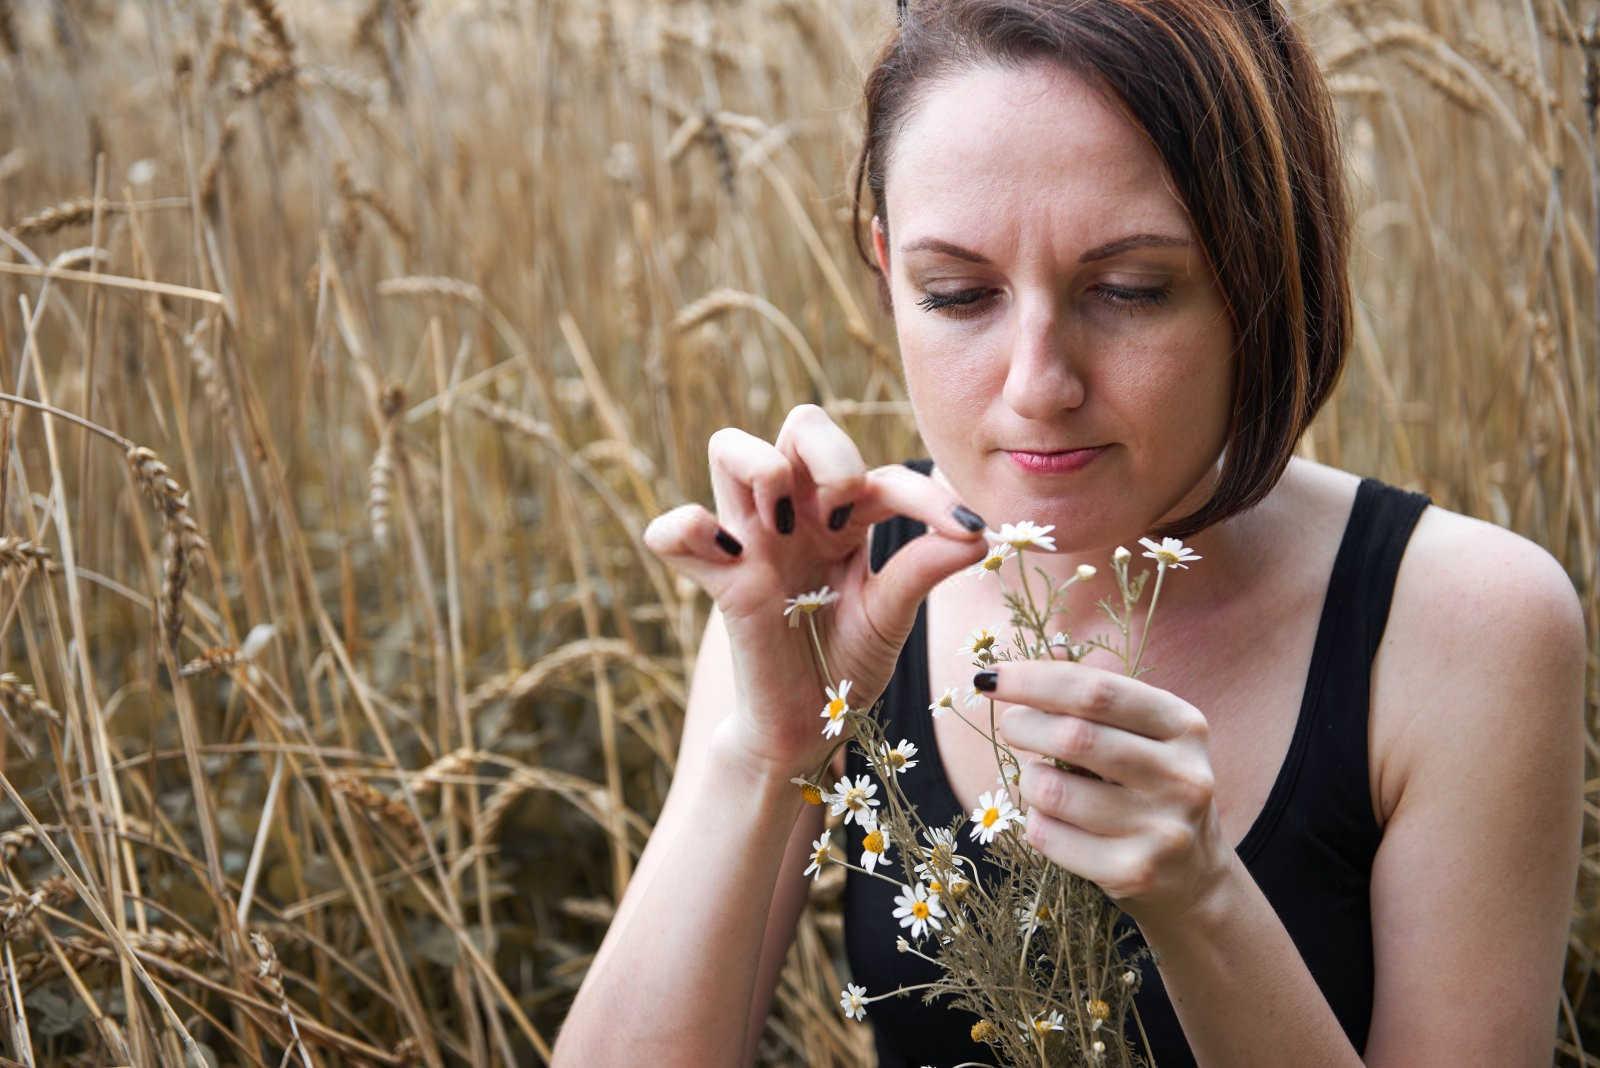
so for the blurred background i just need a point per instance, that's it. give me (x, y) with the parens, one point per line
(334, 669)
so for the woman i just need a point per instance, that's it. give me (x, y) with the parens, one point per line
(1344, 809)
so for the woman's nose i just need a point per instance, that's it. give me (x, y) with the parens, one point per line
(1043, 376)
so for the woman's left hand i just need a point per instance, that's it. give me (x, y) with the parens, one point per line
(1149, 835)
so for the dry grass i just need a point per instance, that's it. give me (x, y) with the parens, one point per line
(405, 319)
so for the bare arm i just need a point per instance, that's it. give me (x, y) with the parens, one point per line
(694, 952)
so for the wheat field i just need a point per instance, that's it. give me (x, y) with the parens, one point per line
(348, 348)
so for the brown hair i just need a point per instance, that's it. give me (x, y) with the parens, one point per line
(1232, 98)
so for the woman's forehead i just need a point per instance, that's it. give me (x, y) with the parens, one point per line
(988, 142)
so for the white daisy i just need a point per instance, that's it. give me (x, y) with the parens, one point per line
(972, 696)
(980, 645)
(853, 1000)
(854, 800)
(1028, 920)
(821, 855)
(997, 557)
(810, 791)
(994, 814)
(945, 703)
(1024, 535)
(918, 909)
(875, 844)
(1170, 553)
(834, 710)
(899, 758)
(1042, 1025)
(807, 603)
(941, 853)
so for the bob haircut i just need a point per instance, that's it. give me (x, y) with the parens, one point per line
(1231, 96)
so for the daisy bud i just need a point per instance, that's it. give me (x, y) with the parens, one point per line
(1122, 555)
(1127, 978)
(901, 945)
(1086, 572)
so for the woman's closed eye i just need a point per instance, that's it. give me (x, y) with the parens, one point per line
(967, 303)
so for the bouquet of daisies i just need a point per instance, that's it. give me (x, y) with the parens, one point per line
(1029, 947)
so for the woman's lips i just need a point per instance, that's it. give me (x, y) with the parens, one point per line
(1055, 463)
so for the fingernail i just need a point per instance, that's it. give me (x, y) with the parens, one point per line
(968, 518)
(840, 516)
(986, 680)
(785, 515)
(728, 543)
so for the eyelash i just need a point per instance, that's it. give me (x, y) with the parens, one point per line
(958, 305)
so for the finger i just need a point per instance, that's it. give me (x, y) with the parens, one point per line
(1099, 859)
(1113, 753)
(953, 540)
(896, 489)
(692, 542)
(750, 480)
(1093, 693)
(1097, 807)
(829, 471)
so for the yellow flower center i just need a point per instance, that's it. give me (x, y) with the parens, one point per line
(835, 708)
(990, 815)
(959, 887)
(873, 843)
(935, 886)
(992, 563)
(982, 1031)
(1042, 1026)
(854, 798)
(821, 856)
(919, 909)
(1098, 1009)
(896, 758)
(812, 795)
(984, 642)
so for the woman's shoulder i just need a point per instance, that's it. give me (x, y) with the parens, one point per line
(1450, 558)
(1485, 630)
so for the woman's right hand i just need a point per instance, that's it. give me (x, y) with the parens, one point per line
(775, 501)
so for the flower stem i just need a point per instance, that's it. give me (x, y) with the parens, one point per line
(816, 643)
(1161, 573)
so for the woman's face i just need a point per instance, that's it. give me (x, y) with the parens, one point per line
(1088, 314)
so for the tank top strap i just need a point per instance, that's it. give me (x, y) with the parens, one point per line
(1365, 571)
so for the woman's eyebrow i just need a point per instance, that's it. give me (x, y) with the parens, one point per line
(934, 244)
(1099, 252)
(1123, 244)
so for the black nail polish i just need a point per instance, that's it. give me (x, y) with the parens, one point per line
(986, 680)
(840, 516)
(968, 518)
(785, 515)
(728, 543)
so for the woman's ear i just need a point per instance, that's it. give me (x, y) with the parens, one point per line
(880, 245)
(880, 250)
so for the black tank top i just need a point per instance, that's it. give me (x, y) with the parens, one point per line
(1310, 849)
